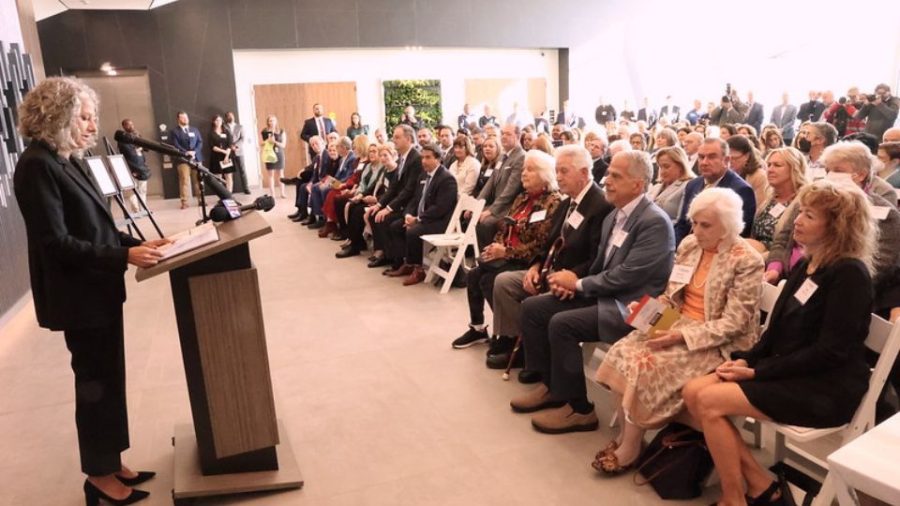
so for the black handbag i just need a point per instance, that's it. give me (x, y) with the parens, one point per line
(675, 464)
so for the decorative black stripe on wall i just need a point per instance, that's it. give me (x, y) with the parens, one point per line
(16, 78)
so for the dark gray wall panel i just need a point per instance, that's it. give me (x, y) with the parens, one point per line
(271, 22)
(439, 21)
(326, 24)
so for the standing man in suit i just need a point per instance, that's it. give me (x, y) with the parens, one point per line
(812, 110)
(77, 259)
(188, 139)
(670, 111)
(317, 125)
(137, 165)
(647, 114)
(714, 164)
(465, 120)
(754, 113)
(237, 147)
(634, 259)
(783, 116)
(392, 203)
(427, 212)
(604, 113)
(577, 225)
(502, 187)
(487, 118)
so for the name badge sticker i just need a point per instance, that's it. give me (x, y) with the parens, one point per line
(880, 212)
(777, 210)
(681, 274)
(619, 238)
(538, 216)
(575, 219)
(488, 172)
(806, 290)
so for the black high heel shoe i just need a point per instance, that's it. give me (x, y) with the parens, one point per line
(92, 496)
(768, 496)
(141, 477)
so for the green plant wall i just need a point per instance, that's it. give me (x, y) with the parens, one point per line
(424, 95)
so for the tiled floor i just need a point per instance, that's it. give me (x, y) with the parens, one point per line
(380, 410)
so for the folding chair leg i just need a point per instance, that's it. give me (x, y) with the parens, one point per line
(827, 493)
(451, 273)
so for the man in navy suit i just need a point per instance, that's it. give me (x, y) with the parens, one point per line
(754, 113)
(188, 139)
(714, 159)
(427, 212)
(317, 125)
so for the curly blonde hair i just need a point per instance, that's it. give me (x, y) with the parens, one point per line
(850, 230)
(50, 111)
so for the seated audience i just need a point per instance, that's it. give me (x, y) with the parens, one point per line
(716, 289)
(638, 141)
(808, 368)
(504, 184)
(543, 143)
(371, 188)
(337, 199)
(772, 139)
(889, 156)
(527, 227)
(424, 136)
(465, 167)
(327, 169)
(427, 212)
(490, 161)
(596, 146)
(785, 172)
(346, 164)
(665, 138)
(573, 239)
(812, 141)
(316, 165)
(714, 159)
(634, 259)
(747, 163)
(673, 177)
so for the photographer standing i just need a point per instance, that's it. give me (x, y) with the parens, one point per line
(880, 109)
(840, 116)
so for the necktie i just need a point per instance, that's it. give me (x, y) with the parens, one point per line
(320, 126)
(400, 161)
(572, 206)
(424, 193)
(620, 223)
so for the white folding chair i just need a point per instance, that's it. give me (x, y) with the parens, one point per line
(884, 339)
(592, 354)
(767, 300)
(452, 244)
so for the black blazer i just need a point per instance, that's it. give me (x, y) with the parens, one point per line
(582, 243)
(440, 199)
(76, 255)
(599, 169)
(399, 193)
(824, 336)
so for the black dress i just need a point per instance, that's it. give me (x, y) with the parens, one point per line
(810, 367)
(222, 141)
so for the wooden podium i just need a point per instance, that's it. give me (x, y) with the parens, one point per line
(237, 444)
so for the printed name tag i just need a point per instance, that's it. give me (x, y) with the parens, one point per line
(681, 274)
(880, 212)
(538, 216)
(488, 172)
(817, 173)
(807, 289)
(191, 134)
(777, 210)
(575, 219)
(619, 238)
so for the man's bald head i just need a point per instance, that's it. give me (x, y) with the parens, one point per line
(891, 135)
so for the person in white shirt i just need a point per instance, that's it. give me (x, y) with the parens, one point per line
(465, 167)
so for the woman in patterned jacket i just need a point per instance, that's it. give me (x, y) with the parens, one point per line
(715, 285)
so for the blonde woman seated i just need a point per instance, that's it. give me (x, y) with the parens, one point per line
(786, 173)
(715, 285)
(673, 175)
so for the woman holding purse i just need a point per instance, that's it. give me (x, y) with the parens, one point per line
(274, 142)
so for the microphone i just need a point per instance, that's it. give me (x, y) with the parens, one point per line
(166, 149)
(227, 209)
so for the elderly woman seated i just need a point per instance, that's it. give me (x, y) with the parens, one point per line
(515, 245)
(715, 285)
(808, 368)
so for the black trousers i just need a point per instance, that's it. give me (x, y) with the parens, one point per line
(480, 286)
(241, 173)
(414, 239)
(101, 413)
(382, 235)
(356, 225)
(301, 200)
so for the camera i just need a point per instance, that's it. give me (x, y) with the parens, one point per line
(871, 98)
(842, 100)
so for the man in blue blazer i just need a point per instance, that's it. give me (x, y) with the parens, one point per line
(714, 159)
(188, 139)
(320, 189)
(637, 249)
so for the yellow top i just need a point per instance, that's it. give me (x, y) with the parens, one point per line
(694, 290)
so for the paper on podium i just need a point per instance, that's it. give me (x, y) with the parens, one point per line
(651, 315)
(190, 239)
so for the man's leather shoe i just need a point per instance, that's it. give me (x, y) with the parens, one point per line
(319, 223)
(563, 420)
(403, 270)
(327, 229)
(527, 377)
(534, 400)
(300, 219)
(337, 236)
(289, 180)
(346, 253)
(293, 215)
(415, 277)
(378, 262)
(308, 221)
(501, 360)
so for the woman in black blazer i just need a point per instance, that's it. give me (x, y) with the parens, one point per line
(809, 367)
(78, 258)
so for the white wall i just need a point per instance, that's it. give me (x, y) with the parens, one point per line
(10, 30)
(369, 67)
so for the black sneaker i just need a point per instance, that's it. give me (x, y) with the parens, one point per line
(501, 344)
(470, 338)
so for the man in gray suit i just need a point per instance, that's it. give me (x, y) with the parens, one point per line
(237, 143)
(784, 115)
(502, 187)
(637, 248)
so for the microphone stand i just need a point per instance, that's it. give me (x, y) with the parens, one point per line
(202, 174)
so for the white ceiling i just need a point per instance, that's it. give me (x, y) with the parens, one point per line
(46, 8)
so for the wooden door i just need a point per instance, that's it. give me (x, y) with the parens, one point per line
(292, 104)
(501, 93)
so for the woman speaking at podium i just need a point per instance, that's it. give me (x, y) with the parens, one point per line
(78, 258)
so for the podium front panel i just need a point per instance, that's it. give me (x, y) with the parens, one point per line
(234, 361)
